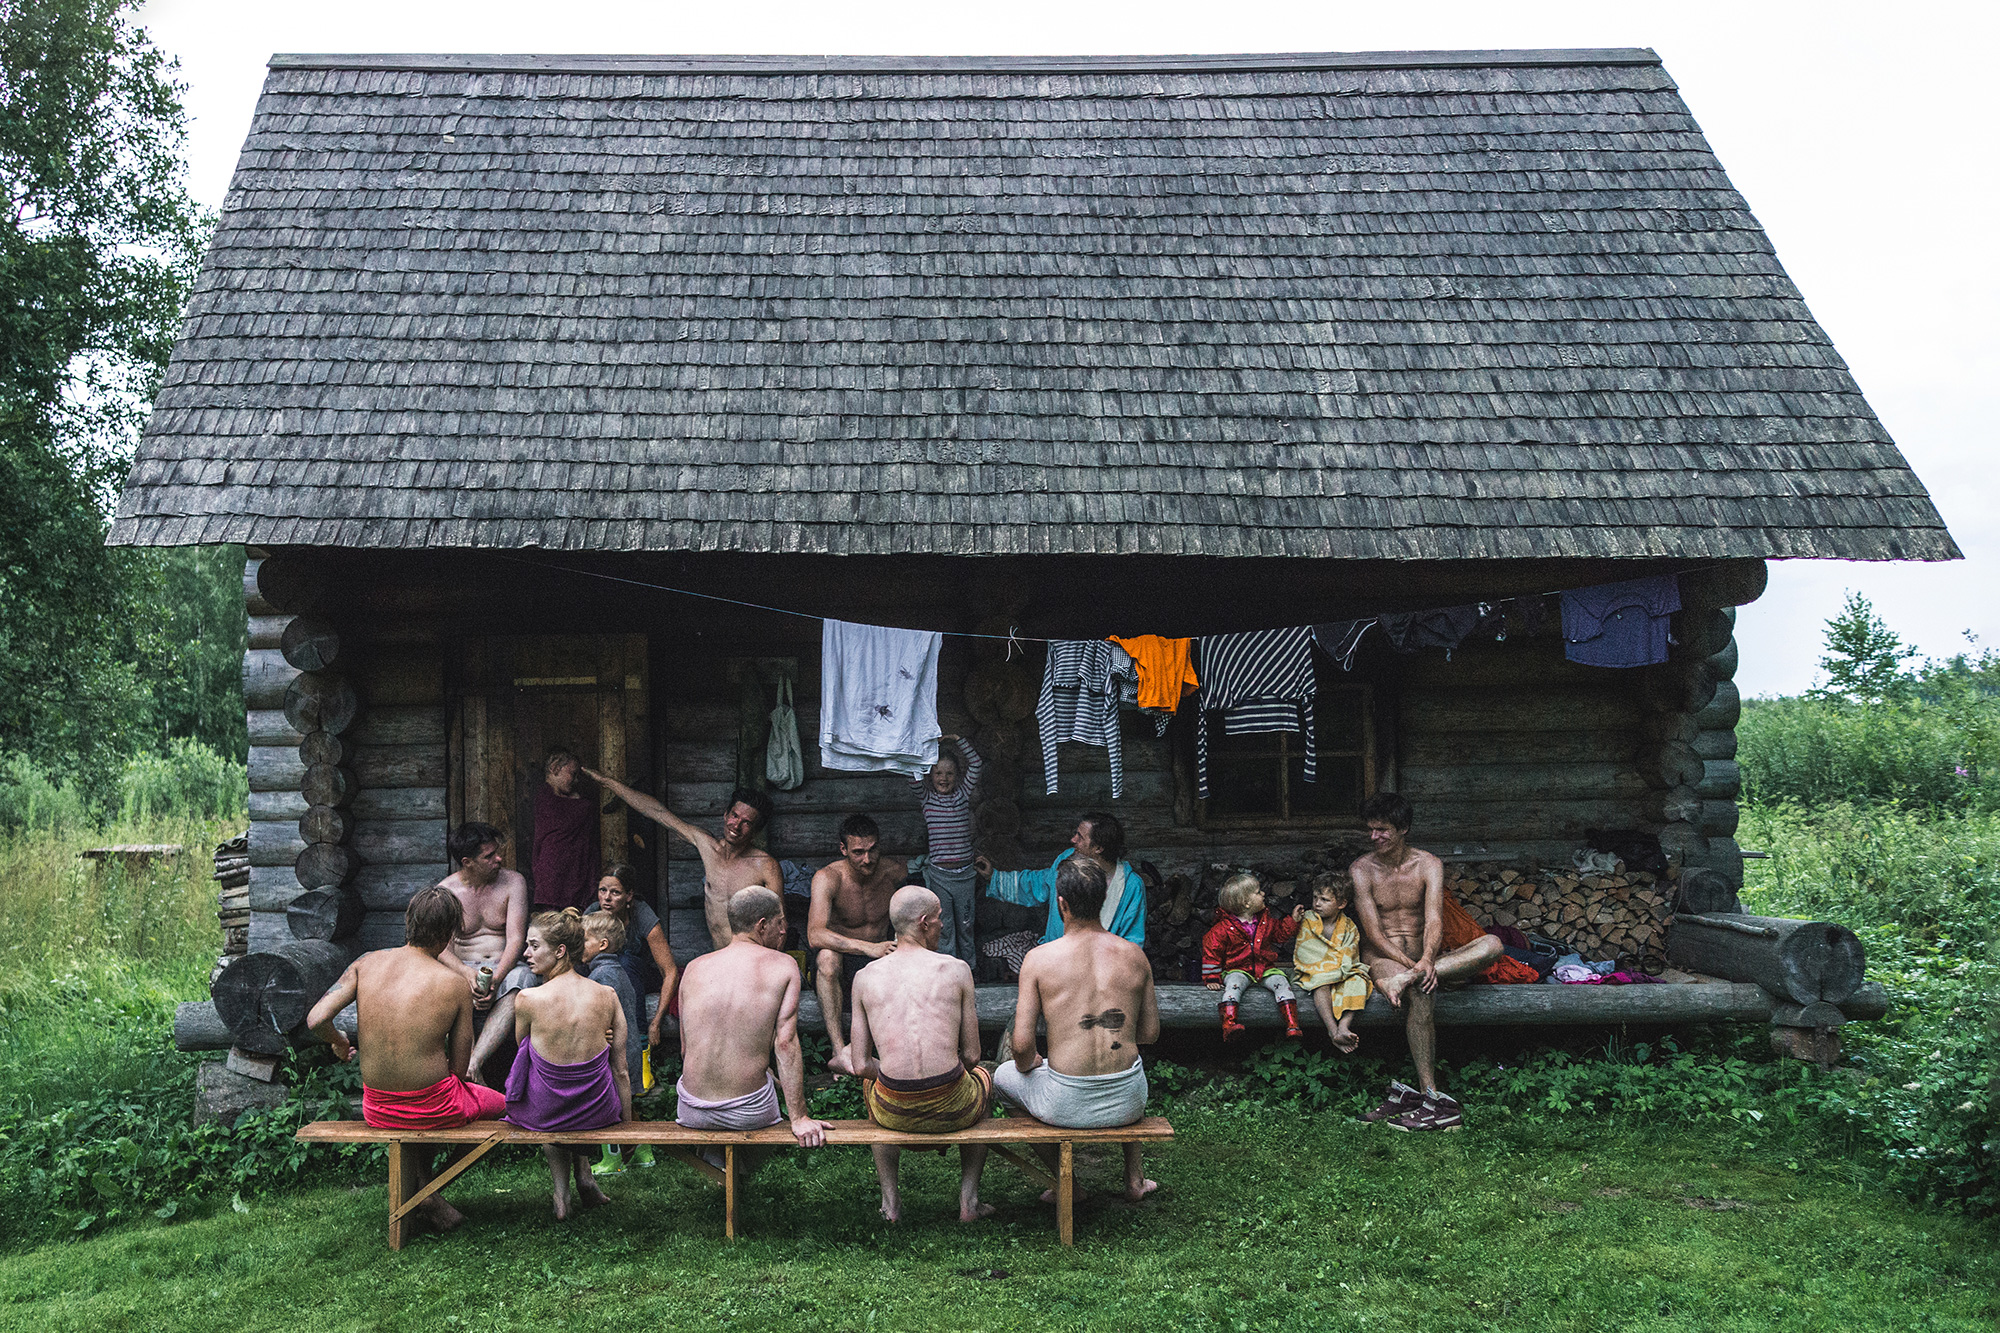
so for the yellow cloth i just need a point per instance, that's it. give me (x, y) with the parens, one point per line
(1165, 676)
(942, 1105)
(1330, 955)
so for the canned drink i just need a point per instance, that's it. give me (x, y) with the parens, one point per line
(483, 986)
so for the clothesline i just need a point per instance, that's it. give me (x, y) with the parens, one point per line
(1010, 637)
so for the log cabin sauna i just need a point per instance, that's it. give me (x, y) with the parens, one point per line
(490, 353)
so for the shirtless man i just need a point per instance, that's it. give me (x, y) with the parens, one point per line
(728, 863)
(1399, 905)
(495, 903)
(848, 923)
(1096, 990)
(916, 1042)
(414, 1036)
(739, 1009)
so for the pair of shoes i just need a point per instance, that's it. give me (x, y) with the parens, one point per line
(1230, 1027)
(612, 1164)
(1437, 1111)
(642, 1155)
(1402, 1099)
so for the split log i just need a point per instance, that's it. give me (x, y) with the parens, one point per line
(324, 824)
(321, 701)
(326, 914)
(1000, 692)
(324, 784)
(324, 865)
(1675, 805)
(310, 644)
(323, 747)
(1723, 711)
(265, 994)
(1806, 961)
(1669, 765)
(1730, 583)
(286, 583)
(266, 677)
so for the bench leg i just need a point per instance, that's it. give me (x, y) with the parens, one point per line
(398, 1187)
(1066, 1196)
(729, 1192)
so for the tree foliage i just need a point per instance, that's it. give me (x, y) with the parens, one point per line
(102, 652)
(1864, 657)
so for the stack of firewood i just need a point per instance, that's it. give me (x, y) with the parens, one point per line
(232, 898)
(1616, 915)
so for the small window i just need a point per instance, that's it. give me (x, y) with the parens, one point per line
(1260, 778)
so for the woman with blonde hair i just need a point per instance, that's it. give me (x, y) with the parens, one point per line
(570, 1072)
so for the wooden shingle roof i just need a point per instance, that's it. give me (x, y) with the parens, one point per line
(1414, 305)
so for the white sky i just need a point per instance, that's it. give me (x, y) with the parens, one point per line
(1863, 135)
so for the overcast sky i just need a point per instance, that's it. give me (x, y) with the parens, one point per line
(1863, 135)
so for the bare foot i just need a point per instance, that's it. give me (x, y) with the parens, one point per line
(892, 1209)
(439, 1215)
(1049, 1196)
(840, 1061)
(977, 1211)
(1345, 1042)
(1392, 989)
(1135, 1193)
(590, 1195)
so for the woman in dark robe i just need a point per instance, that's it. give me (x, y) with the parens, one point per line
(566, 852)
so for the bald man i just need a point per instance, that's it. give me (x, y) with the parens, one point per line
(916, 1046)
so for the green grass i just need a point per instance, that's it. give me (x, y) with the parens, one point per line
(1264, 1223)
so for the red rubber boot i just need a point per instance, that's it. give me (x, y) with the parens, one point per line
(1230, 1027)
(1290, 1009)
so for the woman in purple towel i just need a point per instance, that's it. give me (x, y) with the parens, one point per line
(570, 1073)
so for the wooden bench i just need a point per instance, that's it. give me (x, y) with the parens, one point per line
(1008, 1136)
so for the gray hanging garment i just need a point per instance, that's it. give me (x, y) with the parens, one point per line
(784, 761)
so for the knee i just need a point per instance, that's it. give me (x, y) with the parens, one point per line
(827, 965)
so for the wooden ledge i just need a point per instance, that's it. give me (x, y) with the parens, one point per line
(840, 1133)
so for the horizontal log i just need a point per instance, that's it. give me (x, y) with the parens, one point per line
(1677, 687)
(1702, 632)
(399, 803)
(321, 701)
(1723, 664)
(1805, 961)
(325, 824)
(1603, 708)
(869, 794)
(1675, 805)
(379, 930)
(1078, 791)
(270, 726)
(1683, 842)
(1660, 728)
(272, 888)
(310, 644)
(1532, 663)
(1718, 819)
(1869, 1001)
(1728, 583)
(197, 1027)
(290, 583)
(277, 806)
(389, 888)
(268, 930)
(401, 677)
(1722, 855)
(327, 784)
(1702, 890)
(253, 598)
(323, 747)
(1715, 744)
(1723, 711)
(1721, 780)
(266, 677)
(1599, 780)
(275, 844)
(399, 725)
(379, 767)
(399, 841)
(797, 836)
(275, 768)
(1673, 764)
(268, 631)
(1511, 747)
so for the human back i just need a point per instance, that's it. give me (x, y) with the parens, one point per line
(730, 1003)
(918, 1006)
(569, 1017)
(1095, 991)
(408, 1004)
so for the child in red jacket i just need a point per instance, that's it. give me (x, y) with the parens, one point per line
(1241, 950)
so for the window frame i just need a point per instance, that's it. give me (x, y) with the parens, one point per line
(1285, 747)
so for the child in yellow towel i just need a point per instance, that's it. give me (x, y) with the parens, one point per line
(1327, 960)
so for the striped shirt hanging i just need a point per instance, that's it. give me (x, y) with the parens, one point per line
(1260, 682)
(1079, 702)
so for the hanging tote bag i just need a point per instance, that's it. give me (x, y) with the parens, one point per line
(784, 762)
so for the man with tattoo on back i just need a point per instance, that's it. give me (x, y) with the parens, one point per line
(848, 923)
(1096, 990)
(1399, 905)
(728, 863)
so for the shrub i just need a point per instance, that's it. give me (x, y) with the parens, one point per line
(189, 780)
(1816, 751)
(30, 799)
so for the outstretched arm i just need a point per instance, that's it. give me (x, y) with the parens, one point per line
(320, 1020)
(704, 842)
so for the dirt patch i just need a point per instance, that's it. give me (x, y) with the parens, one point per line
(1561, 1206)
(1716, 1205)
(1611, 1193)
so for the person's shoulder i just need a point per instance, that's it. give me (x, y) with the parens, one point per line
(1363, 866)
(511, 880)
(1426, 860)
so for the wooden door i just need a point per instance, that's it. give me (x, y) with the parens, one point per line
(515, 698)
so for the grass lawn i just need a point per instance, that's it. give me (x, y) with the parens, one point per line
(1264, 1222)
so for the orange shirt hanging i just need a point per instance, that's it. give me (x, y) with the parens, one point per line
(1165, 677)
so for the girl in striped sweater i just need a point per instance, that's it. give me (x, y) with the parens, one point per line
(948, 791)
